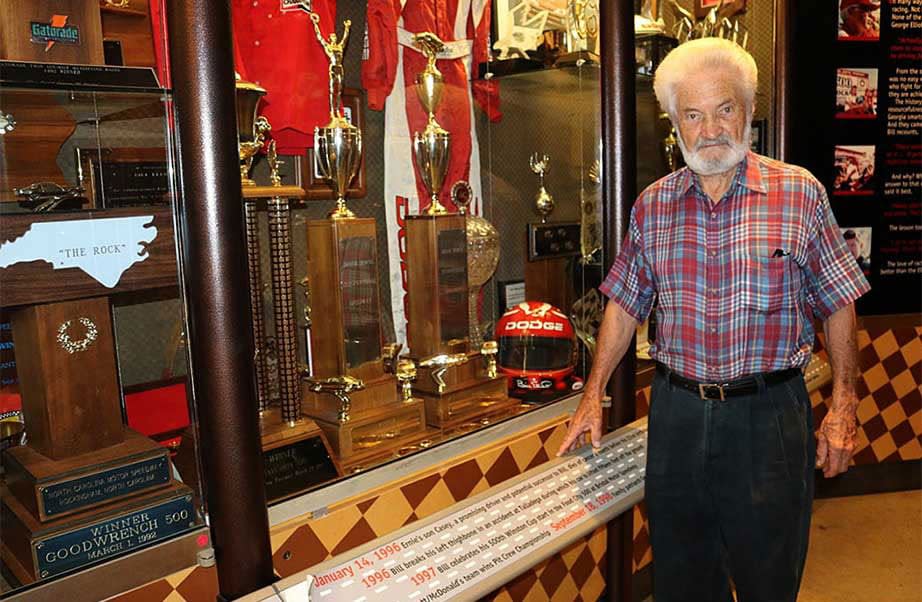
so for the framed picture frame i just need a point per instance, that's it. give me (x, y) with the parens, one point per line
(315, 186)
(758, 143)
(511, 293)
(731, 7)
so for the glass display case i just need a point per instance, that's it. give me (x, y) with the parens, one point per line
(95, 388)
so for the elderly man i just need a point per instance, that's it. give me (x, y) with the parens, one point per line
(856, 20)
(740, 252)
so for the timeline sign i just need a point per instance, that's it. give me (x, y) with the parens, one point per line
(444, 556)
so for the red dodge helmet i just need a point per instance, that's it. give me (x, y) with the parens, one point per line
(537, 351)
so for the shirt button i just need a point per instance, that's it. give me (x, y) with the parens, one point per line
(711, 253)
(713, 329)
(713, 214)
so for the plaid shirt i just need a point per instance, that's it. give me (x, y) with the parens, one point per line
(734, 280)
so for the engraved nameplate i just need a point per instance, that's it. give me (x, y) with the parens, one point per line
(452, 274)
(359, 284)
(297, 467)
(113, 536)
(74, 494)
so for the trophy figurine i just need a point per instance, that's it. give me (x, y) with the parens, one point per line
(488, 350)
(251, 130)
(544, 202)
(406, 374)
(431, 147)
(338, 145)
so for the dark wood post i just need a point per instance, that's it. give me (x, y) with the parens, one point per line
(215, 282)
(619, 188)
(784, 20)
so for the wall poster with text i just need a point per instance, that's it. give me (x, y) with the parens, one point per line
(857, 126)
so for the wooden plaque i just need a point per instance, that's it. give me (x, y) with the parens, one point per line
(51, 31)
(70, 400)
(437, 320)
(343, 273)
(36, 281)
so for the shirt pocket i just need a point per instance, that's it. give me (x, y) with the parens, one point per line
(766, 283)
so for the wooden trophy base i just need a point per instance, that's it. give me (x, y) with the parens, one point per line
(378, 393)
(395, 448)
(33, 550)
(297, 456)
(49, 489)
(381, 428)
(476, 401)
(455, 378)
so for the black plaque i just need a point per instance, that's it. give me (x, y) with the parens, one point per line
(70, 495)
(359, 285)
(125, 184)
(297, 467)
(553, 240)
(452, 257)
(84, 77)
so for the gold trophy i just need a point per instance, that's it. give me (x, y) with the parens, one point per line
(338, 145)
(251, 130)
(431, 147)
(482, 259)
(354, 389)
(544, 202)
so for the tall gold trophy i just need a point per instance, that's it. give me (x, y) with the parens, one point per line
(348, 390)
(296, 453)
(456, 378)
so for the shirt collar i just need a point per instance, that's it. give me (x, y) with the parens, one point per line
(748, 174)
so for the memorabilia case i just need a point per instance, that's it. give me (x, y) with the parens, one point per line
(95, 390)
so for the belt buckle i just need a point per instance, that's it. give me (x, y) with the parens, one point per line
(703, 388)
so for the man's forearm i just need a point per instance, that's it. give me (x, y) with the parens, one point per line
(840, 330)
(615, 335)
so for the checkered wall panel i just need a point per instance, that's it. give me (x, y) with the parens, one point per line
(576, 573)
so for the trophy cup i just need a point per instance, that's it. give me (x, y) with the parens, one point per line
(81, 470)
(550, 245)
(455, 387)
(296, 453)
(337, 145)
(431, 147)
(349, 391)
(544, 202)
(251, 130)
(482, 259)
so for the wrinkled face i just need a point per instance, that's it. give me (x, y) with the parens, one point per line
(713, 122)
(857, 20)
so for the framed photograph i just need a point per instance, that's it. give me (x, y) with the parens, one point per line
(316, 186)
(703, 7)
(511, 293)
(759, 140)
(856, 93)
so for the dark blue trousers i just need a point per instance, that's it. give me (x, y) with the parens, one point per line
(729, 488)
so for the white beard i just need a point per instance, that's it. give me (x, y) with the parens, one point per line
(735, 153)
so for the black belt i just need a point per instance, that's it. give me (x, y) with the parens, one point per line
(734, 388)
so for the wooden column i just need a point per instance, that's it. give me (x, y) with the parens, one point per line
(215, 279)
(784, 19)
(619, 189)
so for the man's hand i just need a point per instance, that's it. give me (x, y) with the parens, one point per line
(837, 437)
(587, 419)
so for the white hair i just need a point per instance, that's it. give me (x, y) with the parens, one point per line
(703, 55)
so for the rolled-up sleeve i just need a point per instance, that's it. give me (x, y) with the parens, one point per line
(833, 276)
(630, 280)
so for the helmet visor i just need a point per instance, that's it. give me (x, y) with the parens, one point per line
(535, 353)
